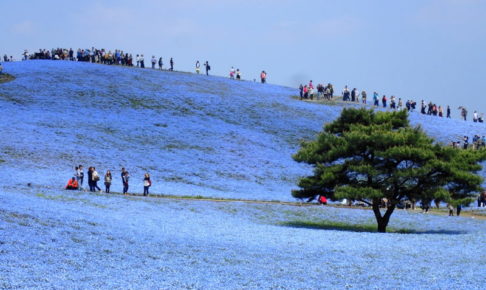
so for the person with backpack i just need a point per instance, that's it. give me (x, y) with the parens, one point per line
(96, 178)
(108, 180)
(208, 67)
(125, 179)
(146, 184)
(263, 77)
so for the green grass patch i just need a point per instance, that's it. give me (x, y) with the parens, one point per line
(341, 226)
(6, 78)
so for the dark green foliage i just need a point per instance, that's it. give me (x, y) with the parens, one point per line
(367, 156)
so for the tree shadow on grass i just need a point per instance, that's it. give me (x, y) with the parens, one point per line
(361, 228)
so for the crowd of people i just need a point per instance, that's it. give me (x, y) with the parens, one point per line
(355, 96)
(117, 57)
(93, 177)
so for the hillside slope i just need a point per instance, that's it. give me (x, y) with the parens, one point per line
(196, 135)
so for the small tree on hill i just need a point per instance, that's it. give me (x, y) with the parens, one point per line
(367, 156)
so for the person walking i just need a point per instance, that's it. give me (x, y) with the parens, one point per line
(171, 64)
(198, 67)
(96, 178)
(263, 77)
(208, 67)
(161, 63)
(108, 180)
(146, 184)
(232, 73)
(125, 180)
(142, 61)
(448, 110)
(238, 74)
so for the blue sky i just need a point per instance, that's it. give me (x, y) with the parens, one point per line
(421, 49)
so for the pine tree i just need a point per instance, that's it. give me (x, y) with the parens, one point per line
(367, 156)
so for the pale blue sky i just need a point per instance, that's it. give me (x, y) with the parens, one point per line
(421, 49)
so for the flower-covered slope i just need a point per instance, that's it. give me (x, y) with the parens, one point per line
(196, 135)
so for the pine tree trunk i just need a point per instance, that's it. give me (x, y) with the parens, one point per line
(382, 221)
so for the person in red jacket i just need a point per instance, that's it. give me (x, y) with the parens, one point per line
(322, 199)
(72, 184)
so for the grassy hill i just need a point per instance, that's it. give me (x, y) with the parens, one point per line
(196, 135)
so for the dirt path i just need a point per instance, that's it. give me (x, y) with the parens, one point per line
(442, 211)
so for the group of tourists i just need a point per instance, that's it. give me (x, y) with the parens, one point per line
(477, 142)
(356, 96)
(94, 55)
(76, 182)
(118, 57)
(323, 92)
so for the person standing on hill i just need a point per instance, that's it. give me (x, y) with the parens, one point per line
(108, 180)
(198, 67)
(346, 94)
(448, 111)
(154, 61)
(353, 95)
(96, 178)
(208, 67)
(301, 91)
(383, 101)
(146, 184)
(90, 178)
(232, 73)
(125, 180)
(161, 63)
(80, 176)
(171, 64)
(363, 97)
(142, 61)
(464, 113)
(122, 173)
(263, 77)
(138, 60)
(238, 74)
(376, 101)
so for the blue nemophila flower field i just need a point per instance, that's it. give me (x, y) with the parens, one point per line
(196, 135)
(57, 239)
